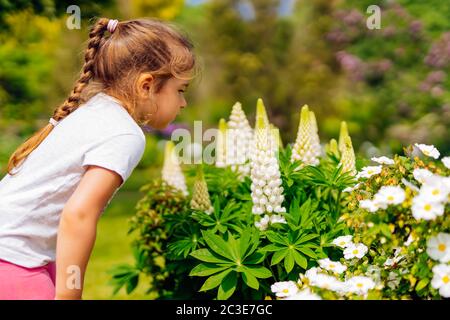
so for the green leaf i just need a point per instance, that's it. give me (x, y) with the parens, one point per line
(227, 287)
(206, 256)
(272, 247)
(307, 251)
(300, 260)
(255, 258)
(215, 280)
(250, 280)
(259, 271)
(278, 256)
(217, 244)
(306, 238)
(422, 284)
(289, 261)
(205, 269)
(273, 237)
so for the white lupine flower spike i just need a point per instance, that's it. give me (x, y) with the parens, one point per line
(240, 141)
(267, 192)
(307, 146)
(171, 171)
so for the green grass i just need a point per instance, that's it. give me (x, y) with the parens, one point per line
(112, 247)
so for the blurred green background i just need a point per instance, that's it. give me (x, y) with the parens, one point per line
(389, 84)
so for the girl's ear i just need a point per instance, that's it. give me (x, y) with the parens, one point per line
(144, 84)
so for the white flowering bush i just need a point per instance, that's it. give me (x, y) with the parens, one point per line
(399, 245)
(296, 222)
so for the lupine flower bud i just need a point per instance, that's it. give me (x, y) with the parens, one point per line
(307, 146)
(348, 156)
(200, 196)
(221, 145)
(332, 148)
(171, 172)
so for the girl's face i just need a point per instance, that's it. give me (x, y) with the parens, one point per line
(160, 109)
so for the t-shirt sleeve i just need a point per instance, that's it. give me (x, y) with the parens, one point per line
(120, 154)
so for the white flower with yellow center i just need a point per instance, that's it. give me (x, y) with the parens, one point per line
(441, 279)
(424, 208)
(343, 241)
(428, 150)
(284, 289)
(435, 189)
(369, 205)
(446, 162)
(390, 195)
(369, 171)
(422, 175)
(305, 294)
(325, 281)
(358, 250)
(383, 160)
(359, 284)
(438, 247)
(334, 266)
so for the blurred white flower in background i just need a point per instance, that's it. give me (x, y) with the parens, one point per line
(428, 150)
(446, 162)
(383, 160)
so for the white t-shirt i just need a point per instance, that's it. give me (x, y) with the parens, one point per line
(100, 132)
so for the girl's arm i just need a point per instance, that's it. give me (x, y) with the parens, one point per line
(77, 229)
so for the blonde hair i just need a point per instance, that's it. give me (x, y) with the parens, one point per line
(113, 63)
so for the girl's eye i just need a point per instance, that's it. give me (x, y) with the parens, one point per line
(181, 91)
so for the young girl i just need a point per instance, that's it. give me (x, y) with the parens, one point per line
(135, 73)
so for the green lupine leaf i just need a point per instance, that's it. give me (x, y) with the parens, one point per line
(289, 261)
(255, 258)
(217, 244)
(300, 260)
(206, 269)
(250, 280)
(207, 256)
(307, 252)
(259, 271)
(278, 256)
(272, 247)
(214, 280)
(306, 238)
(233, 246)
(273, 237)
(227, 287)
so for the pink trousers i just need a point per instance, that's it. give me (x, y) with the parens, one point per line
(20, 283)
